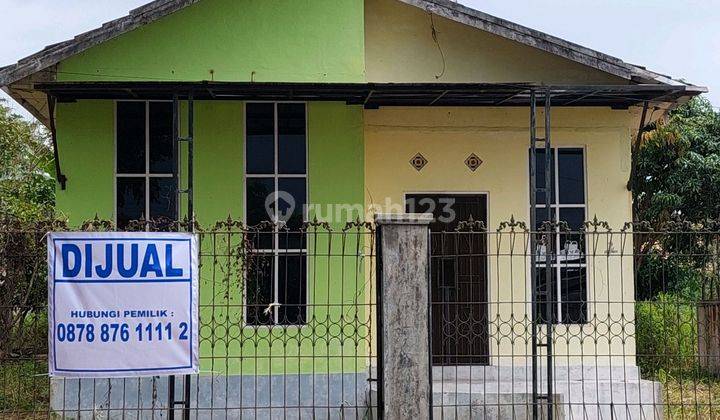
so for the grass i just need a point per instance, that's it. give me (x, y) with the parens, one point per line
(692, 398)
(24, 388)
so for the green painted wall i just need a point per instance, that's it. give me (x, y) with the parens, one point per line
(86, 141)
(260, 40)
(336, 168)
(236, 40)
(336, 273)
(338, 334)
(218, 161)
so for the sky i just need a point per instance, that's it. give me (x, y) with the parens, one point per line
(680, 38)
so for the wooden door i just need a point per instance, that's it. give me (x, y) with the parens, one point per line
(459, 283)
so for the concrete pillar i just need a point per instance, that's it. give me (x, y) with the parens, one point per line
(404, 286)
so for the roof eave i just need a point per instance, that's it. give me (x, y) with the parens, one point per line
(53, 54)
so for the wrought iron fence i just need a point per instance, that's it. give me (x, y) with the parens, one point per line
(605, 324)
(286, 328)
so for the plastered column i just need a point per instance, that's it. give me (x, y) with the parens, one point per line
(404, 288)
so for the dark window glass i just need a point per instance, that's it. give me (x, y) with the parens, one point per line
(574, 295)
(572, 244)
(291, 203)
(568, 245)
(292, 271)
(546, 294)
(291, 138)
(260, 138)
(541, 216)
(130, 137)
(130, 200)
(161, 141)
(277, 199)
(540, 175)
(571, 171)
(259, 291)
(163, 198)
(258, 190)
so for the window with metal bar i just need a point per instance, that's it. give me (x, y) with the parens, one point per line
(144, 183)
(567, 263)
(275, 198)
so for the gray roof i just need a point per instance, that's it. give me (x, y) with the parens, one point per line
(53, 54)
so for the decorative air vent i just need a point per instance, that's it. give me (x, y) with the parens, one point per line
(418, 162)
(473, 162)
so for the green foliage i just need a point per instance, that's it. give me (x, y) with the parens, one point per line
(25, 386)
(666, 334)
(677, 176)
(678, 166)
(23, 284)
(671, 273)
(27, 190)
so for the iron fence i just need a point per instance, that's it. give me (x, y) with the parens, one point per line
(606, 324)
(286, 328)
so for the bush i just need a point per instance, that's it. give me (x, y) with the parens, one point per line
(666, 335)
(23, 286)
(675, 274)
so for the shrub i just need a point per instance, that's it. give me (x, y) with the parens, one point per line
(666, 335)
(23, 286)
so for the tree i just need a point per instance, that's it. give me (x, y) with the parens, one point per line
(27, 189)
(677, 171)
(677, 176)
(27, 196)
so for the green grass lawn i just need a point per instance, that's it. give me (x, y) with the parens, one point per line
(692, 399)
(24, 389)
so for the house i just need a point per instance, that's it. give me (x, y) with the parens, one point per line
(350, 107)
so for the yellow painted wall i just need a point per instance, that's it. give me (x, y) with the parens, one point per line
(499, 136)
(399, 48)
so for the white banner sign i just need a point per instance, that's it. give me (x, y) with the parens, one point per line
(122, 304)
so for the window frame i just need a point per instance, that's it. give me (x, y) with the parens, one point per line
(147, 174)
(555, 205)
(276, 251)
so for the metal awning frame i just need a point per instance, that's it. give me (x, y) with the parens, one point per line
(375, 95)
(369, 95)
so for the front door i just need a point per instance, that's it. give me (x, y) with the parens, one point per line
(459, 282)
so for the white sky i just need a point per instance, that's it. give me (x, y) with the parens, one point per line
(680, 38)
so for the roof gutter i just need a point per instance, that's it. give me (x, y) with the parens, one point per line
(61, 178)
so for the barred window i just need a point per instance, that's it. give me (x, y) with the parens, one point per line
(568, 266)
(144, 183)
(276, 192)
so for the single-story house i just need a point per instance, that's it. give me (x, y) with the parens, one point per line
(348, 108)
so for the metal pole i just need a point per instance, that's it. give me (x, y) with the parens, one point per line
(551, 307)
(533, 251)
(430, 322)
(191, 216)
(379, 327)
(176, 141)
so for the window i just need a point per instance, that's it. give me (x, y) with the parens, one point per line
(568, 265)
(144, 183)
(276, 192)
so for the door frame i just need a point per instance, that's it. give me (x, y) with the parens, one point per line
(486, 194)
